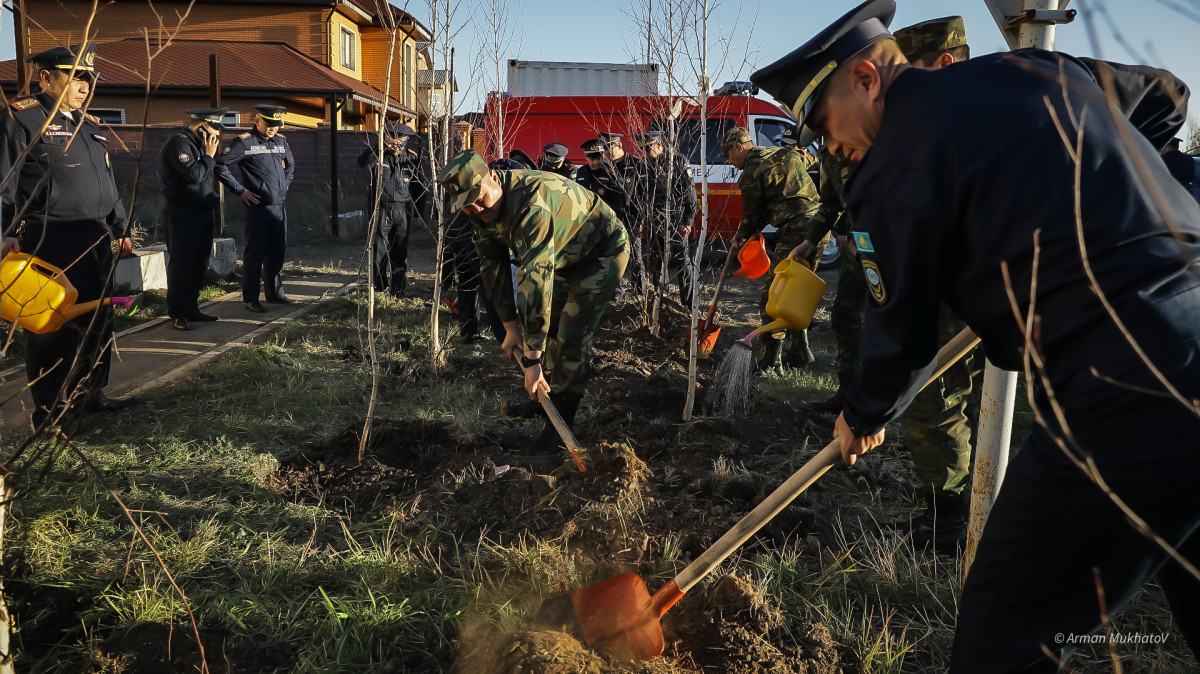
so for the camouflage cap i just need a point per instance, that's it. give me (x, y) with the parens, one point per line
(737, 134)
(462, 178)
(935, 35)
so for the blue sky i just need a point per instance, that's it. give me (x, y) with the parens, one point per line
(759, 31)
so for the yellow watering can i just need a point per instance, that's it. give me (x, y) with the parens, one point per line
(37, 296)
(794, 296)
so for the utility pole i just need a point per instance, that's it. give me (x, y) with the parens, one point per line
(19, 35)
(214, 100)
(1025, 23)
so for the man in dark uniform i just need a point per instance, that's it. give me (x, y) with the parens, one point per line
(186, 168)
(1043, 284)
(571, 251)
(267, 169)
(521, 157)
(1181, 166)
(60, 203)
(791, 140)
(392, 203)
(601, 177)
(554, 160)
(669, 208)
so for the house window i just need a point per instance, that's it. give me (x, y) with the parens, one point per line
(410, 75)
(437, 105)
(347, 48)
(108, 115)
(231, 119)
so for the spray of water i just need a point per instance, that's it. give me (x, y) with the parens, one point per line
(730, 392)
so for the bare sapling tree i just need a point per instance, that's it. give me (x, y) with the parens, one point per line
(378, 264)
(36, 455)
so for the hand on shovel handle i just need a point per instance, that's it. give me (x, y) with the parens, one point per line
(618, 615)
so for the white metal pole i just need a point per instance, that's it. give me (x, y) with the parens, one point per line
(994, 435)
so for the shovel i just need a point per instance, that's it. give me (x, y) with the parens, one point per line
(619, 617)
(564, 431)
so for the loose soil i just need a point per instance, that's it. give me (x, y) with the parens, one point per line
(652, 484)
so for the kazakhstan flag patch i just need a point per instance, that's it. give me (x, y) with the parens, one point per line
(862, 241)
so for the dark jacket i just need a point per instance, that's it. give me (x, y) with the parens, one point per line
(187, 173)
(267, 166)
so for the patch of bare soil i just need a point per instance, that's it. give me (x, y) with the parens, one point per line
(152, 648)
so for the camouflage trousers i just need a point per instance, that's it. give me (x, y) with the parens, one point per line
(937, 425)
(789, 238)
(581, 295)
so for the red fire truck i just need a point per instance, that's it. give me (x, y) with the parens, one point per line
(529, 123)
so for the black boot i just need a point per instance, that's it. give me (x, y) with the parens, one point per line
(529, 409)
(549, 442)
(772, 360)
(835, 403)
(943, 525)
(799, 354)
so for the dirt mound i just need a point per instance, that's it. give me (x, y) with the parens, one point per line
(736, 631)
(528, 652)
(153, 648)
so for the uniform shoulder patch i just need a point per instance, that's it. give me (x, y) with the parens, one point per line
(862, 241)
(25, 103)
(184, 157)
(244, 136)
(874, 281)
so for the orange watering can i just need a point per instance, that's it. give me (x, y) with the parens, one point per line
(792, 300)
(753, 258)
(37, 296)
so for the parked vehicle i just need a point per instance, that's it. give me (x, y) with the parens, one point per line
(532, 122)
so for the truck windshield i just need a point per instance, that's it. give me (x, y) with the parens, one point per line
(689, 138)
(767, 130)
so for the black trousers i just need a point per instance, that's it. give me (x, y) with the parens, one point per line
(189, 247)
(1032, 580)
(646, 258)
(460, 270)
(73, 362)
(391, 247)
(266, 242)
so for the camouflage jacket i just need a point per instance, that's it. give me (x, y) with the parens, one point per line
(776, 190)
(834, 171)
(550, 224)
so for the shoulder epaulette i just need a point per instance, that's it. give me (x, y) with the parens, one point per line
(244, 136)
(94, 119)
(25, 103)
(280, 135)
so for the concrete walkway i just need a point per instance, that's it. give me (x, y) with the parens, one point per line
(155, 353)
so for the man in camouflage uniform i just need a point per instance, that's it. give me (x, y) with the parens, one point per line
(776, 189)
(850, 304)
(571, 251)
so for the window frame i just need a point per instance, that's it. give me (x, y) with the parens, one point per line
(120, 111)
(347, 58)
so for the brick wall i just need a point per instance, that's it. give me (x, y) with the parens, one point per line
(170, 110)
(308, 203)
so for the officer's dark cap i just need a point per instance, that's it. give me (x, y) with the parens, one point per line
(271, 114)
(556, 150)
(63, 58)
(648, 138)
(797, 80)
(399, 130)
(520, 156)
(592, 146)
(211, 115)
(609, 138)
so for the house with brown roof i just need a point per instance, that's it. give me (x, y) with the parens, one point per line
(324, 60)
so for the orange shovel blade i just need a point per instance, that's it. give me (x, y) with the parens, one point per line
(619, 617)
(707, 340)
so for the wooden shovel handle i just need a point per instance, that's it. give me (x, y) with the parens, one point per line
(721, 281)
(556, 419)
(779, 499)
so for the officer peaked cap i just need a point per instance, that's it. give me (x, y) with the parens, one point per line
(787, 137)
(64, 58)
(648, 138)
(399, 129)
(211, 115)
(271, 114)
(592, 146)
(520, 156)
(608, 137)
(555, 150)
(797, 80)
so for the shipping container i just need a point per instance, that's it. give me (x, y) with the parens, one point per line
(562, 78)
